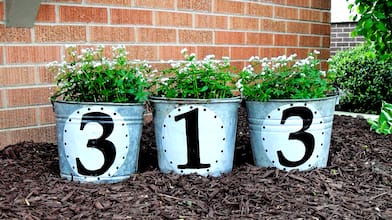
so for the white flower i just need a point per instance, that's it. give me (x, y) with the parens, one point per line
(210, 57)
(316, 52)
(184, 51)
(292, 56)
(239, 84)
(67, 46)
(52, 64)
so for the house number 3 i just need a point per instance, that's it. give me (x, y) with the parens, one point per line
(105, 146)
(306, 138)
(96, 141)
(293, 135)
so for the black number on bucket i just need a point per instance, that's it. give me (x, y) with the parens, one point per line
(301, 135)
(192, 139)
(106, 147)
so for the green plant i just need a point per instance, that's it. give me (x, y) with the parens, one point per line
(92, 77)
(374, 23)
(284, 78)
(192, 78)
(384, 123)
(364, 78)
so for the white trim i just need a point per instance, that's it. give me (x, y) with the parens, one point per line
(357, 115)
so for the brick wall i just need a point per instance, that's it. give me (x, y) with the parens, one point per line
(341, 36)
(151, 30)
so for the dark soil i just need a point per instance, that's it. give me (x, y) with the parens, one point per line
(356, 184)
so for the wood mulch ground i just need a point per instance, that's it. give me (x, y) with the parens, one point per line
(356, 184)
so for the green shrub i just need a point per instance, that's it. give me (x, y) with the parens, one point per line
(364, 78)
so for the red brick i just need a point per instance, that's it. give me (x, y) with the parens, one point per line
(324, 54)
(310, 15)
(156, 35)
(13, 35)
(83, 14)
(10, 76)
(38, 134)
(287, 13)
(224, 37)
(46, 115)
(219, 52)
(1, 55)
(322, 29)
(195, 5)
(321, 4)
(230, 7)
(174, 52)
(240, 23)
(285, 40)
(326, 41)
(112, 34)
(273, 25)
(211, 21)
(143, 52)
(60, 33)
(280, 2)
(167, 4)
(32, 54)
(309, 41)
(17, 118)
(130, 16)
(46, 13)
(164, 18)
(110, 2)
(324, 65)
(4, 139)
(298, 27)
(326, 17)
(301, 52)
(28, 96)
(2, 101)
(45, 76)
(271, 52)
(194, 36)
(71, 1)
(1, 11)
(259, 10)
(243, 53)
(301, 3)
(259, 38)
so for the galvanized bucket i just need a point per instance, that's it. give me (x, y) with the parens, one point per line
(195, 135)
(98, 142)
(291, 134)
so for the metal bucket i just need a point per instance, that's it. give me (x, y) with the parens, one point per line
(195, 135)
(291, 134)
(98, 142)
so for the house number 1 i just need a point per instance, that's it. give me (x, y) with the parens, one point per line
(193, 139)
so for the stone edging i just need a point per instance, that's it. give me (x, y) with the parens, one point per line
(357, 115)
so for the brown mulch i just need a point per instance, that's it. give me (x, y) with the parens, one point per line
(356, 184)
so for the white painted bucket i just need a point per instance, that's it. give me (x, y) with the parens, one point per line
(195, 135)
(291, 134)
(98, 142)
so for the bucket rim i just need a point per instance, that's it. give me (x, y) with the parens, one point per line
(157, 99)
(99, 103)
(297, 100)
